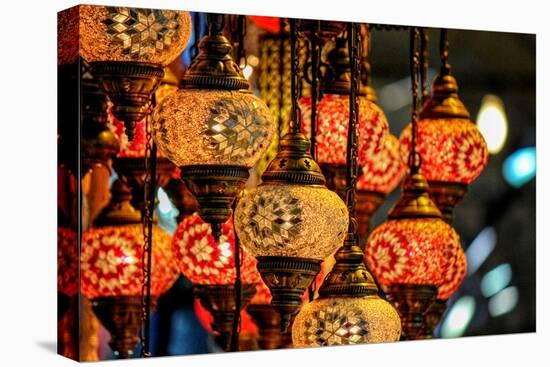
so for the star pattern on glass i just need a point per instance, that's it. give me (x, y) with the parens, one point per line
(334, 326)
(274, 217)
(236, 130)
(142, 32)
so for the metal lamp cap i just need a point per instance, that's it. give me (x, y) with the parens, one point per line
(415, 201)
(444, 102)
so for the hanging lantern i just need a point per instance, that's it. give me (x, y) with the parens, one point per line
(111, 269)
(332, 115)
(415, 255)
(348, 310)
(381, 173)
(210, 265)
(214, 128)
(454, 152)
(128, 47)
(291, 221)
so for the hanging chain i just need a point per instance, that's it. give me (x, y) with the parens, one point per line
(238, 291)
(315, 84)
(415, 160)
(147, 228)
(444, 53)
(366, 75)
(352, 168)
(425, 63)
(296, 115)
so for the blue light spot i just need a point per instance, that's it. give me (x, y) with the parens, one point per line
(496, 280)
(520, 167)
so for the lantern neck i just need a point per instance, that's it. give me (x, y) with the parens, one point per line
(338, 79)
(415, 201)
(349, 277)
(214, 67)
(293, 163)
(444, 102)
(119, 211)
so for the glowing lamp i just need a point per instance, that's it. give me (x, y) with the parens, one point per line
(127, 48)
(348, 309)
(111, 263)
(203, 261)
(210, 265)
(415, 255)
(214, 128)
(454, 153)
(332, 131)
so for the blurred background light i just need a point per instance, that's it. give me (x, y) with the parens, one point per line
(520, 167)
(480, 248)
(458, 317)
(493, 123)
(167, 212)
(496, 280)
(247, 71)
(504, 301)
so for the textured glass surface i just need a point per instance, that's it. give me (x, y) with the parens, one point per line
(417, 251)
(291, 220)
(111, 262)
(213, 127)
(346, 320)
(132, 34)
(203, 261)
(67, 261)
(382, 171)
(452, 150)
(332, 127)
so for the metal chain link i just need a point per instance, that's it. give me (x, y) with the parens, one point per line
(425, 63)
(444, 52)
(415, 160)
(296, 117)
(352, 167)
(147, 229)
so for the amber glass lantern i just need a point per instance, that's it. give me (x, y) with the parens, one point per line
(214, 129)
(128, 48)
(291, 221)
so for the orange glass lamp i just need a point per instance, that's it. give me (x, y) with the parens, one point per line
(210, 265)
(415, 255)
(332, 116)
(111, 274)
(381, 174)
(454, 152)
(214, 128)
(67, 269)
(291, 221)
(128, 48)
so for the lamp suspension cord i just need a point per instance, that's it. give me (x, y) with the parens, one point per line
(415, 160)
(425, 63)
(147, 227)
(354, 46)
(315, 84)
(296, 116)
(366, 75)
(444, 52)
